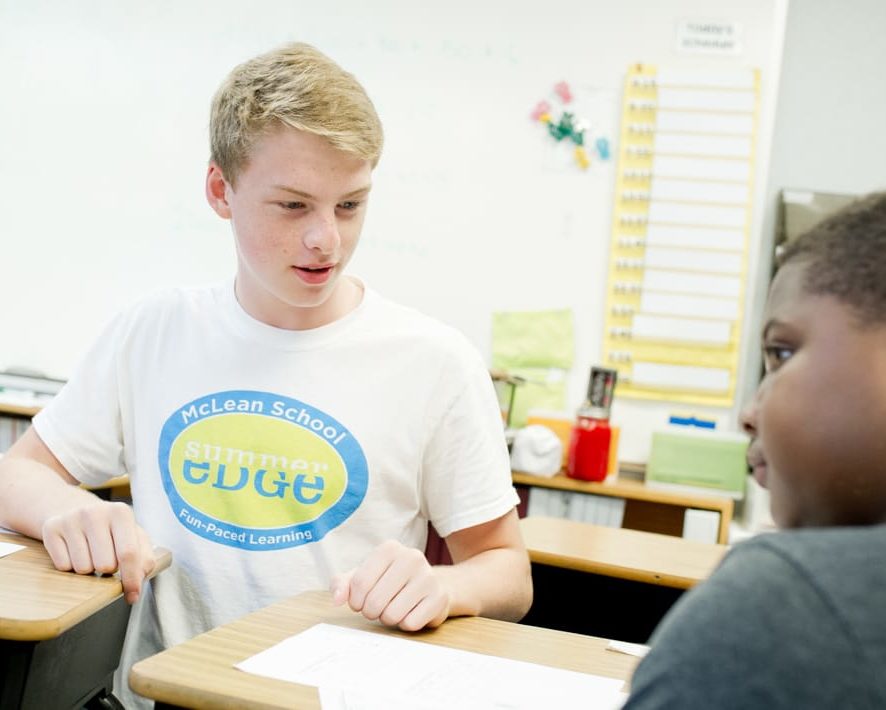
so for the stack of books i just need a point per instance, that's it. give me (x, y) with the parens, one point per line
(583, 507)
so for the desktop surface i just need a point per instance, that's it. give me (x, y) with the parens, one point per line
(61, 633)
(200, 672)
(611, 582)
(617, 552)
(38, 602)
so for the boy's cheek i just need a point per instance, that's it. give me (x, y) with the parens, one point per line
(780, 504)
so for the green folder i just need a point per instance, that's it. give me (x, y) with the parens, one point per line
(698, 458)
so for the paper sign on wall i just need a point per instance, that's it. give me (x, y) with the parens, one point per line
(678, 253)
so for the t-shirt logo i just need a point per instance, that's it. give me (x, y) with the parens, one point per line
(259, 471)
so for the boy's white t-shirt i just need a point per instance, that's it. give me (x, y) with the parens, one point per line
(268, 460)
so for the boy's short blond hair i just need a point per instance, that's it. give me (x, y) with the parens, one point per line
(296, 86)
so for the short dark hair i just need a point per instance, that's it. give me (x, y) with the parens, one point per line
(845, 257)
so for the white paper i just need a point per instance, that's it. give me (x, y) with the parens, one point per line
(704, 379)
(666, 235)
(700, 215)
(697, 284)
(709, 37)
(721, 77)
(708, 262)
(676, 305)
(683, 330)
(632, 649)
(702, 145)
(699, 191)
(703, 168)
(7, 548)
(695, 122)
(362, 670)
(710, 100)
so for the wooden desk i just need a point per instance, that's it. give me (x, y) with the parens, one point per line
(609, 582)
(200, 672)
(646, 508)
(114, 489)
(24, 411)
(617, 552)
(60, 633)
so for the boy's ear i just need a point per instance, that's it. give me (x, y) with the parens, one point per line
(217, 191)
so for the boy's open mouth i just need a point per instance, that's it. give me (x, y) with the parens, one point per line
(314, 274)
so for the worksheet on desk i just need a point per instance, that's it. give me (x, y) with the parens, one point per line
(360, 670)
(7, 548)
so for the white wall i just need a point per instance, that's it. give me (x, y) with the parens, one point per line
(103, 150)
(830, 124)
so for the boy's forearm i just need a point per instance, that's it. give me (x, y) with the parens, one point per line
(496, 583)
(31, 492)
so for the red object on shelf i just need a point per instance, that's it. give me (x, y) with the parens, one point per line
(591, 436)
(589, 449)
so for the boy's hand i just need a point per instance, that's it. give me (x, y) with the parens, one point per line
(395, 585)
(101, 537)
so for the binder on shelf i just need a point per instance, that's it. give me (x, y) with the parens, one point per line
(701, 525)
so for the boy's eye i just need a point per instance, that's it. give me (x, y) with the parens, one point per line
(349, 205)
(292, 205)
(776, 355)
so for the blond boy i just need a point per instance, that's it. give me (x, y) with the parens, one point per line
(290, 429)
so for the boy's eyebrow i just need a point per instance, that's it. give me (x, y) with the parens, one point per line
(769, 325)
(308, 195)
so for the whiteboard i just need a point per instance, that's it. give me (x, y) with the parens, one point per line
(104, 145)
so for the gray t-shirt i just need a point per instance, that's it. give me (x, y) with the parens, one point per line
(789, 620)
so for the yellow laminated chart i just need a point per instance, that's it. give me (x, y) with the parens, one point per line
(678, 255)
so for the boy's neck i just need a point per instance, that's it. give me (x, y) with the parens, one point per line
(268, 309)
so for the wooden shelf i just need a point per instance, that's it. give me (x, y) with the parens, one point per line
(18, 410)
(646, 508)
(624, 554)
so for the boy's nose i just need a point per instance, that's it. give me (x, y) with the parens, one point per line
(322, 235)
(748, 417)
